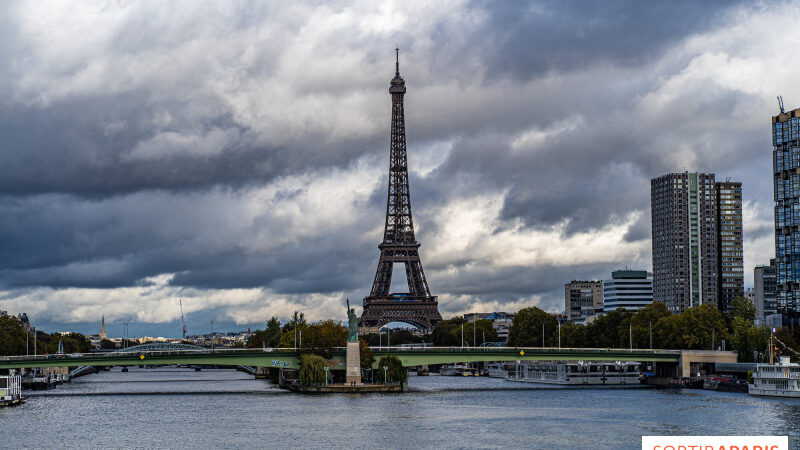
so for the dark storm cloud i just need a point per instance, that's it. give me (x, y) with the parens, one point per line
(530, 39)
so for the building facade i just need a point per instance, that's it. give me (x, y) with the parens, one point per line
(786, 178)
(685, 253)
(582, 299)
(730, 267)
(628, 289)
(764, 290)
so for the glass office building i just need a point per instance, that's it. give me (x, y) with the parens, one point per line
(786, 177)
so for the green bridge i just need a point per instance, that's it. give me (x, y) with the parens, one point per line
(154, 354)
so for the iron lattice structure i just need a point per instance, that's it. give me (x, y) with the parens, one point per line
(417, 306)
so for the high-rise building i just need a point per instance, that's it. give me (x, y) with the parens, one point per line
(764, 286)
(729, 243)
(786, 177)
(628, 289)
(582, 299)
(684, 224)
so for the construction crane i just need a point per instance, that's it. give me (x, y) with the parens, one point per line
(183, 321)
(780, 103)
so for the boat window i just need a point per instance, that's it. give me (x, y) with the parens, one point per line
(3, 383)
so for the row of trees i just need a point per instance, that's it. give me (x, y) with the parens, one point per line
(654, 326)
(13, 340)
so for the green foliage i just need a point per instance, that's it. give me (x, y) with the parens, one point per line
(747, 338)
(365, 353)
(107, 344)
(12, 340)
(572, 335)
(610, 330)
(12, 336)
(269, 337)
(743, 307)
(643, 320)
(447, 333)
(526, 330)
(322, 337)
(395, 373)
(312, 370)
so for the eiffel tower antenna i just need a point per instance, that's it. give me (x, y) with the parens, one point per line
(417, 306)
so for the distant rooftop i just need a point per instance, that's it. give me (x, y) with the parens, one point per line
(617, 274)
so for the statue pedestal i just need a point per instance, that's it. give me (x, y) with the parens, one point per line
(353, 363)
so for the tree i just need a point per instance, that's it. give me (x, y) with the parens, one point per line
(749, 341)
(312, 370)
(12, 336)
(395, 372)
(322, 337)
(571, 335)
(743, 307)
(269, 337)
(526, 330)
(365, 353)
(107, 344)
(609, 330)
(643, 320)
(700, 325)
(447, 333)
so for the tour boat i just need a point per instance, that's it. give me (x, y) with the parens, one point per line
(776, 380)
(577, 373)
(498, 370)
(457, 370)
(10, 390)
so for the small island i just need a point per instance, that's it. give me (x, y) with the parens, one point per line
(319, 373)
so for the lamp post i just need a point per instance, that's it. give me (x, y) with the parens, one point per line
(326, 375)
(474, 341)
(462, 334)
(34, 341)
(385, 380)
(542, 333)
(630, 335)
(212, 335)
(559, 334)
(651, 334)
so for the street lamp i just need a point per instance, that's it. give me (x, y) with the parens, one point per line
(559, 334)
(326, 375)
(385, 380)
(212, 335)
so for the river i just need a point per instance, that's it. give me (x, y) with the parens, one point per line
(173, 407)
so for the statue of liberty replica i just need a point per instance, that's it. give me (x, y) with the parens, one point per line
(353, 357)
(352, 323)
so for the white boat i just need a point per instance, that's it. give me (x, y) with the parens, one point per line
(776, 380)
(498, 370)
(577, 373)
(458, 370)
(10, 390)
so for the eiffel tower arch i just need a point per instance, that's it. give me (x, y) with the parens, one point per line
(417, 306)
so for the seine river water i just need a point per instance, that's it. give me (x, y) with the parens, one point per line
(172, 407)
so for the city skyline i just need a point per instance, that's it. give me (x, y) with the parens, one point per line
(210, 163)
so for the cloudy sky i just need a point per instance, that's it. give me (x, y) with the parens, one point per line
(234, 154)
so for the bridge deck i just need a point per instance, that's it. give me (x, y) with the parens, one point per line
(288, 358)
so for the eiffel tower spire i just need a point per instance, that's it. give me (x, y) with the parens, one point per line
(417, 306)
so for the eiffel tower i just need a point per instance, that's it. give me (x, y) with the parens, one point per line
(417, 306)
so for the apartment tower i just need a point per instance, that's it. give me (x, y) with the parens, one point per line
(786, 177)
(684, 224)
